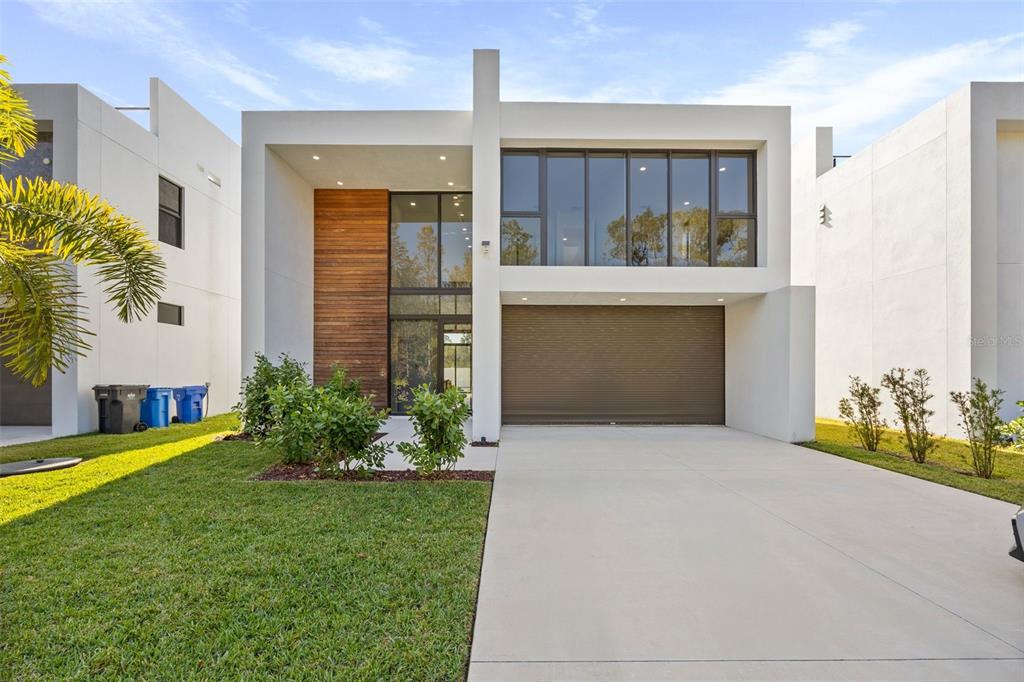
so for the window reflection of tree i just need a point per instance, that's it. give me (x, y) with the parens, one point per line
(417, 269)
(413, 358)
(517, 244)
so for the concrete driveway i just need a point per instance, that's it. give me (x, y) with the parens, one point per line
(678, 553)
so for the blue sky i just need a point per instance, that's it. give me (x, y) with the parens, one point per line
(862, 68)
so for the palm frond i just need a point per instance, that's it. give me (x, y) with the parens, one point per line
(17, 127)
(41, 322)
(72, 224)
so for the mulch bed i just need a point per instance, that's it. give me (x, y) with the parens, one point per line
(309, 472)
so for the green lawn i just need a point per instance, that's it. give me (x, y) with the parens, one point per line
(949, 463)
(186, 569)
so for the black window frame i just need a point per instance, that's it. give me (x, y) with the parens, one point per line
(439, 318)
(178, 214)
(162, 306)
(713, 156)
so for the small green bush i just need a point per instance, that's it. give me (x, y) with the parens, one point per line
(347, 426)
(294, 430)
(437, 420)
(910, 396)
(861, 413)
(979, 417)
(333, 425)
(1013, 430)
(254, 407)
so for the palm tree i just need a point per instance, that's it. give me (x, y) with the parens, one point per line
(45, 227)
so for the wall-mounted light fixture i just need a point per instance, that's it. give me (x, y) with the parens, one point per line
(824, 216)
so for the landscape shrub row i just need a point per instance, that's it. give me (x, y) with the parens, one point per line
(978, 409)
(336, 426)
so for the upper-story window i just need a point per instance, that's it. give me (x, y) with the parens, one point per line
(637, 208)
(431, 241)
(170, 213)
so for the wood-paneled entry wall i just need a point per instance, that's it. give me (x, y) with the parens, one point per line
(350, 286)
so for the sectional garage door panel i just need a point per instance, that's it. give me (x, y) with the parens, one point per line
(587, 364)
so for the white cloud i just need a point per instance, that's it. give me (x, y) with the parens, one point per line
(357, 63)
(857, 90)
(585, 27)
(156, 30)
(835, 35)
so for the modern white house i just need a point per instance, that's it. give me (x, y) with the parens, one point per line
(562, 263)
(181, 179)
(915, 246)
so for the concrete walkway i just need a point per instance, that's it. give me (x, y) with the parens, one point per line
(685, 553)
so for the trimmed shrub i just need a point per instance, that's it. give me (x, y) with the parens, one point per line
(254, 407)
(861, 413)
(910, 396)
(437, 420)
(333, 425)
(979, 417)
(347, 426)
(293, 429)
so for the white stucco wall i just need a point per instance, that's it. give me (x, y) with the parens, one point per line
(907, 273)
(1010, 268)
(121, 161)
(769, 368)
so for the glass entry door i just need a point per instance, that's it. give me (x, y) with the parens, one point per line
(457, 346)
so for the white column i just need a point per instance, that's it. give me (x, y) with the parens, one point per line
(486, 259)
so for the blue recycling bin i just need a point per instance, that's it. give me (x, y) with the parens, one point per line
(190, 403)
(156, 407)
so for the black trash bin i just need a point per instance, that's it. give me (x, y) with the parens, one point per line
(119, 406)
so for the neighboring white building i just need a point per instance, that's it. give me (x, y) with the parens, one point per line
(181, 179)
(920, 260)
(536, 248)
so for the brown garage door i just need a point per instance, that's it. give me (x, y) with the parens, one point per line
(639, 364)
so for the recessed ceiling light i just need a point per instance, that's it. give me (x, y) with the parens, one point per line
(565, 239)
(340, 183)
(443, 157)
(525, 299)
(451, 184)
(467, 239)
(456, 203)
(686, 203)
(412, 203)
(720, 300)
(722, 169)
(316, 158)
(462, 215)
(643, 168)
(623, 300)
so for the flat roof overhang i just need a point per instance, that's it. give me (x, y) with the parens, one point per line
(391, 167)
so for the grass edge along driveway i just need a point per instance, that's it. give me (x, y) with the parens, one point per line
(949, 464)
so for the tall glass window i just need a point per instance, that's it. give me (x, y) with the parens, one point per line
(691, 218)
(648, 210)
(413, 359)
(565, 199)
(414, 247)
(607, 192)
(735, 228)
(456, 240)
(430, 294)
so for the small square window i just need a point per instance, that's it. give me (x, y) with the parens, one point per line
(170, 228)
(168, 313)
